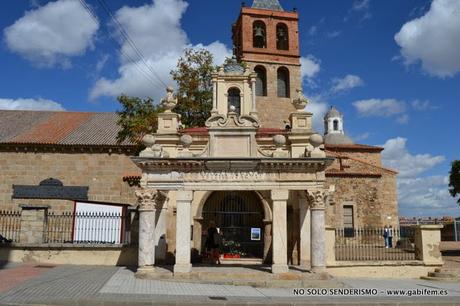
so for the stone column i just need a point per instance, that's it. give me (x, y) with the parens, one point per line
(214, 96)
(183, 231)
(253, 82)
(279, 199)
(32, 224)
(318, 231)
(267, 241)
(147, 210)
(305, 233)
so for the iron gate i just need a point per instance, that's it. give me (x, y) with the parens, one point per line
(239, 217)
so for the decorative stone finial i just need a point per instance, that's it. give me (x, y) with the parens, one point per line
(316, 140)
(279, 141)
(169, 102)
(148, 140)
(186, 140)
(300, 102)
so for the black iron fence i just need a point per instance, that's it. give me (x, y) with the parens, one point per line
(375, 244)
(10, 226)
(87, 228)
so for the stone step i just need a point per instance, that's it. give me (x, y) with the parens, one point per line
(441, 274)
(441, 279)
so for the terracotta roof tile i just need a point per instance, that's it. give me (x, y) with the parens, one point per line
(353, 147)
(13, 123)
(54, 129)
(100, 129)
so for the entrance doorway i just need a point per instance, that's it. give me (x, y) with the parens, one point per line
(239, 217)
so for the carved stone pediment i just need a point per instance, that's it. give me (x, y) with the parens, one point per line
(232, 121)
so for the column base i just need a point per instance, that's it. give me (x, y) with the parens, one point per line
(318, 269)
(278, 269)
(143, 272)
(182, 268)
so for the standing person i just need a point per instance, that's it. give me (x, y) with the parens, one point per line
(390, 237)
(213, 242)
(386, 231)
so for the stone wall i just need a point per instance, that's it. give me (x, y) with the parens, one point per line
(103, 173)
(374, 199)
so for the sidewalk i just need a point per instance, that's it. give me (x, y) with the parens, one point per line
(83, 285)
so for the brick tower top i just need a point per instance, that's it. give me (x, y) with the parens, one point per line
(267, 33)
(266, 38)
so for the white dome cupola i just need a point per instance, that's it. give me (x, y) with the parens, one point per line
(333, 128)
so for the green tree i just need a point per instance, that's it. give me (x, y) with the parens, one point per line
(454, 179)
(193, 75)
(136, 118)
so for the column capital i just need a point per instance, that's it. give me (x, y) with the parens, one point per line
(184, 195)
(280, 194)
(148, 198)
(317, 198)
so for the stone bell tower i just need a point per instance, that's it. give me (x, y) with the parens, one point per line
(267, 38)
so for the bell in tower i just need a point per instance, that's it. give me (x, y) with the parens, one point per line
(259, 35)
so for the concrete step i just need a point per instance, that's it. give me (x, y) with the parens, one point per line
(441, 274)
(441, 279)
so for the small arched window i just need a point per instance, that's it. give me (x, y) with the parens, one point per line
(234, 99)
(336, 125)
(261, 81)
(282, 37)
(283, 83)
(259, 36)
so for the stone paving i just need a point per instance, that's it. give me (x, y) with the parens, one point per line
(84, 285)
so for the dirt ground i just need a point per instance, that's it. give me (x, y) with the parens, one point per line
(451, 254)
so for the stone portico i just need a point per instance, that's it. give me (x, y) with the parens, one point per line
(181, 169)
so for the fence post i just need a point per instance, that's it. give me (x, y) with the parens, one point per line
(330, 246)
(455, 230)
(427, 244)
(32, 223)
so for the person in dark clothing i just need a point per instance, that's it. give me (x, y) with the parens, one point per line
(213, 242)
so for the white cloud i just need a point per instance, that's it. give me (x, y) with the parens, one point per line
(396, 156)
(313, 30)
(156, 30)
(422, 105)
(333, 34)
(51, 34)
(433, 39)
(418, 196)
(361, 5)
(311, 66)
(426, 196)
(30, 104)
(346, 83)
(318, 107)
(380, 107)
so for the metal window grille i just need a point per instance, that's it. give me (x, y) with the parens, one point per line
(88, 228)
(368, 244)
(10, 226)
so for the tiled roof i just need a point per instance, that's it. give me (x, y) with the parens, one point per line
(59, 128)
(352, 147)
(273, 5)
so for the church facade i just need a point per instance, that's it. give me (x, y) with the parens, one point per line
(258, 170)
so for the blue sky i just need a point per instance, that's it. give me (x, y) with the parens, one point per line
(392, 67)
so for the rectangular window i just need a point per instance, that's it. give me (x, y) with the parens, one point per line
(348, 221)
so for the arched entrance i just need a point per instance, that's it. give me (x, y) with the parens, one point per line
(239, 216)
